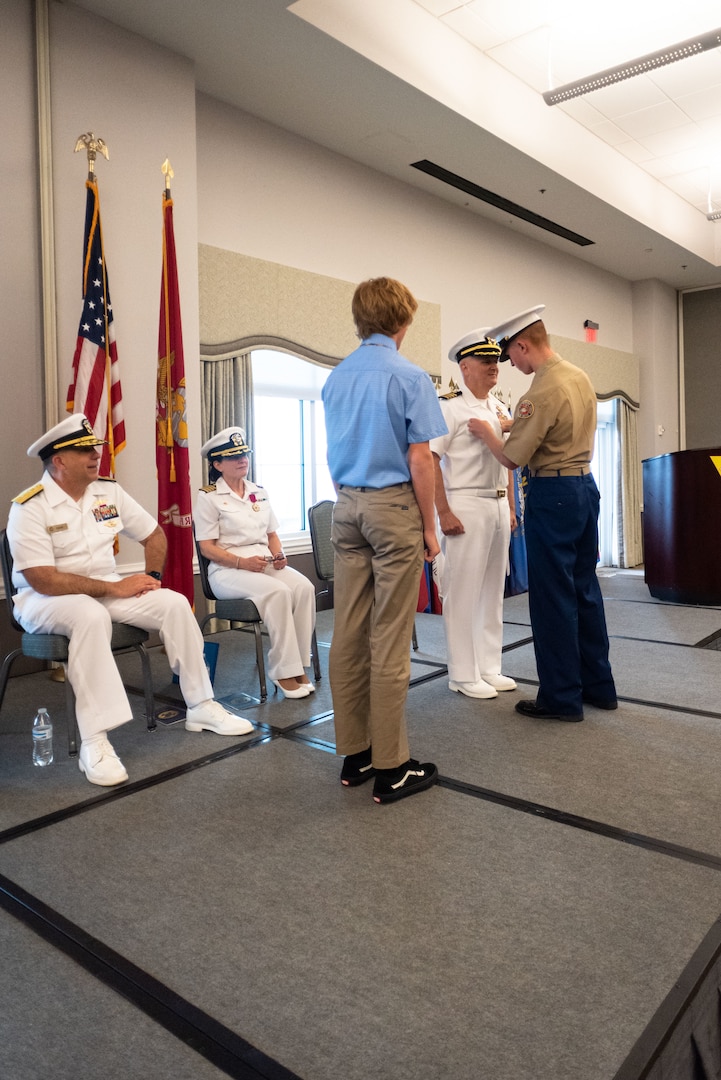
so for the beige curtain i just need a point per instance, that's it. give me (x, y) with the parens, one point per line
(227, 397)
(628, 487)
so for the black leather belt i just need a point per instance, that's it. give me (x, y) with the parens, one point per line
(578, 470)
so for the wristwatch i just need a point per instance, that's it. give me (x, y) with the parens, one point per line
(154, 573)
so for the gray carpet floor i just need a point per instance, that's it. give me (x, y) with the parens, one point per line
(521, 921)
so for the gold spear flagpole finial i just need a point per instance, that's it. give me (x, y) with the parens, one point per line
(167, 169)
(93, 146)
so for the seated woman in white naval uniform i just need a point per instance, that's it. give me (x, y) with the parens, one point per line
(238, 533)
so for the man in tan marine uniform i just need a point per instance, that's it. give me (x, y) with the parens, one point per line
(553, 432)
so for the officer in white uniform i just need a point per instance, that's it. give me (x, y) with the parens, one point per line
(61, 534)
(238, 532)
(476, 518)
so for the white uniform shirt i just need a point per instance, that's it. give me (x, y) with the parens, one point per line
(52, 529)
(466, 462)
(240, 525)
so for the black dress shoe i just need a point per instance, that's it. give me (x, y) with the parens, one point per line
(609, 704)
(530, 708)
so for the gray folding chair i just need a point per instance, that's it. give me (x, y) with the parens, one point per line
(320, 519)
(55, 647)
(242, 613)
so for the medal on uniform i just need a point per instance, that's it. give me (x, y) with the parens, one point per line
(254, 500)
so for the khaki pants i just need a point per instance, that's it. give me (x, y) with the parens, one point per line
(378, 540)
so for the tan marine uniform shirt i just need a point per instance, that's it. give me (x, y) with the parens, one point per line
(554, 424)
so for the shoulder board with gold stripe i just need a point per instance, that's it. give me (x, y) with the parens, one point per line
(110, 479)
(210, 487)
(451, 394)
(29, 493)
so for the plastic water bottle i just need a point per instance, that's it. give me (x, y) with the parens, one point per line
(42, 738)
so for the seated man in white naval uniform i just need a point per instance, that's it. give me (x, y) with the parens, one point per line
(476, 518)
(61, 534)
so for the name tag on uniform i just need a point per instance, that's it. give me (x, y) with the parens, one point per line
(58, 528)
(105, 512)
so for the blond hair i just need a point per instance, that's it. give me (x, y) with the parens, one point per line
(382, 306)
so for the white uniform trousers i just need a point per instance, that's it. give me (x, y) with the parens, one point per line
(473, 578)
(100, 699)
(286, 602)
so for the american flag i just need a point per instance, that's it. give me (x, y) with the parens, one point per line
(95, 387)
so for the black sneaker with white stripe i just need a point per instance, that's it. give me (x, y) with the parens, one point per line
(407, 779)
(357, 768)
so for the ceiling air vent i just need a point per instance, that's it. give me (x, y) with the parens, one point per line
(498, 201)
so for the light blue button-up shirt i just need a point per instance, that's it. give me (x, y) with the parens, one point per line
(376, 404)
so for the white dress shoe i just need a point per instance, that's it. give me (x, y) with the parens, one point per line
(478, 689)
(500, 682)
(100, 763)
(211, 716)
(301, 691)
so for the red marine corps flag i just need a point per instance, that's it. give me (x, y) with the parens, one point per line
(95, 385)
(171, 455)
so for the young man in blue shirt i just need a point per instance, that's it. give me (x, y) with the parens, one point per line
(380, 411)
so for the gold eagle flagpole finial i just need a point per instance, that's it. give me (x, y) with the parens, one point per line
(93, 147)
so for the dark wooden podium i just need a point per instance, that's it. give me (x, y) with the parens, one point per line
(682, 526)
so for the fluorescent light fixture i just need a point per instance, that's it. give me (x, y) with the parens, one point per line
(713, 215)
(669, 55)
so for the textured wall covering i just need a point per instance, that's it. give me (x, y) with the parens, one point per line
(246, 302)
(612, 372)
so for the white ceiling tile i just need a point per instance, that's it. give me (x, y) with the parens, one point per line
(438, 7)
(671, 164)
(524, 59)
(609, 132)
(690, 75)
(658, 118)
(581, 110)
(473, 28)
(704, 105)
(626, 97)
(684, 140)
(661, 168)
(634, 151)
(511, 19)
(711, 133)
(685, 186)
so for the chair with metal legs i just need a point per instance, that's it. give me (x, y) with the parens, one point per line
(242, 613)
(54, 647)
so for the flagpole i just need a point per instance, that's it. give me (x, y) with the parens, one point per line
(94, 146)
(167, 170)
(171, 454)
(99, 384)
(110, 433)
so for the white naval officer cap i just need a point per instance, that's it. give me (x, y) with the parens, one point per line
(73, 432)
(230, 442)
(507, 331)
(478, 343)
